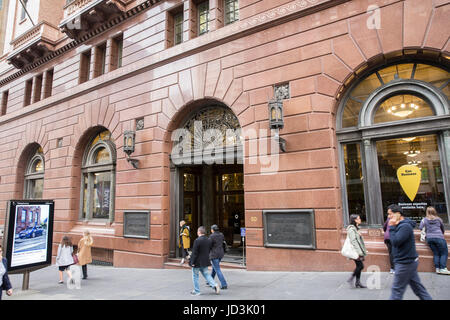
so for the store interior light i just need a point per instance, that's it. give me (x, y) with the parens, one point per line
(403, 110)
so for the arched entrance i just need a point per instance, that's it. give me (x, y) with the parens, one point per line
(206, 176)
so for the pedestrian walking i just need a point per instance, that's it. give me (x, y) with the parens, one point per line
(216, 254)
(84, 252)
(358, 244)
(200, 261)
(64, 258)
(5, 284)
(434, 229)
(387, 241)
(406, 258)
(185, 241)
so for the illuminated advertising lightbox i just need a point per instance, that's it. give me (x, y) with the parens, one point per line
(29, 227)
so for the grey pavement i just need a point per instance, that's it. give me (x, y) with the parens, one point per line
(109, 283)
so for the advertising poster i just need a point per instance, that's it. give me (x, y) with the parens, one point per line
(30, 229)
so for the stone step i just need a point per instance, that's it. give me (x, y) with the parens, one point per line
(174, 263)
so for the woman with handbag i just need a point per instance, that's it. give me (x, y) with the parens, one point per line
(357, 243)
(64, 258)
(435, 239)
(84, 252)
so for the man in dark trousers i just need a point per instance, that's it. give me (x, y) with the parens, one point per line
(406, 258)
(216, 254)
(200, 261)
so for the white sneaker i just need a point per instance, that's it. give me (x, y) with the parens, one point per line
(182, 261)
(438, 270)
(217, 288)
(392, 271)
(444, 271)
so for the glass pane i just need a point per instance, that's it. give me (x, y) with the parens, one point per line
(366, 87)
(102, 185)
(402, 107)
(435, 76)
(37, 188)
(351, 113)
(233, 217)
(38, 166)
(354, 181)
(102, 156)
(421, 152)
(189, 182)
(104, 135)
(232, 182)
(85, 193)
(446, 90)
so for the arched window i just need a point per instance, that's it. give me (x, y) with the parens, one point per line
(34, 176)
(211, 135)
(396, 118)
(98, 178)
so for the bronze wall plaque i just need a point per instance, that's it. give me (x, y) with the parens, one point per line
(289, 228)
(136, 224)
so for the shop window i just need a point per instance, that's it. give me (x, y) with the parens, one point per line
(422, 152)
(98, 176)
(4, 104)
(231, 11)
(354, 180)
(393, 123)
(34, 176)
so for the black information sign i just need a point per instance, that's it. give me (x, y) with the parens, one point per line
(136, 224)
(289, 228)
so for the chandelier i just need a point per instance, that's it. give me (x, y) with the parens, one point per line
(403, 110)
(414, 150)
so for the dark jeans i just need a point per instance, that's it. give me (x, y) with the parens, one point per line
(358, 269)
(440, 252)
(84, 268)
(216, 269)
(407, 274)
(391, 257)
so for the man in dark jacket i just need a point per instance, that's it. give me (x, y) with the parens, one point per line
(200, 261)
(5, 284)
(406, 258)
(217, 254)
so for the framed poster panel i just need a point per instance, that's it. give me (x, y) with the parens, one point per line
(29, 234)
(289, 228)
(136, 224)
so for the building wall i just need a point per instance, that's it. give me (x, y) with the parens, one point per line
(316, 51)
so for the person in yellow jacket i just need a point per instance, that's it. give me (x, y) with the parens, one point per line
(185, 241)
(84, 252)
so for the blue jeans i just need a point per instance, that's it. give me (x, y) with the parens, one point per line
(205, 274)
(216, 269)
(407, 274)
(440, 252)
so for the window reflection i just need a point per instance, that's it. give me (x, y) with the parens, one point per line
(423, 153)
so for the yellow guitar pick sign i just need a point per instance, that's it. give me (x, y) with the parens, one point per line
(409, 178)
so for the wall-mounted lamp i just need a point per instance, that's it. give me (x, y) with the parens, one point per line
(129, 138)
(276, 121)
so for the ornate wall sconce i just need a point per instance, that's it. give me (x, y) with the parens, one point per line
(129, 138)
(276, 121)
